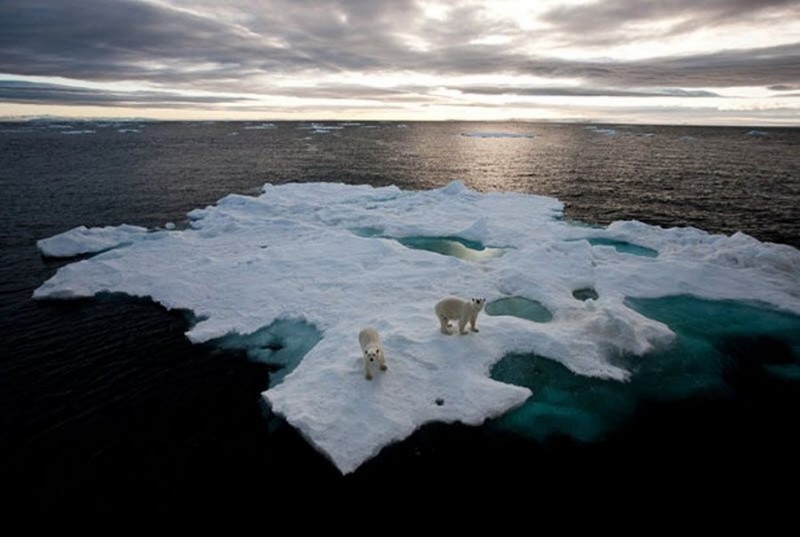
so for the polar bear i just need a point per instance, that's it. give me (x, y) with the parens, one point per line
(466, 311)
(372, 350)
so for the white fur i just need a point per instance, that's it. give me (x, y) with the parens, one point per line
(465, 311)
(372, 350)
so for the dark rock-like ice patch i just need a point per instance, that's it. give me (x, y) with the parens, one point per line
(586, 293)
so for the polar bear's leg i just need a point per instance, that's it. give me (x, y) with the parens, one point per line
(444, 325)
(367, 374)
(462, 323)
(473, 319)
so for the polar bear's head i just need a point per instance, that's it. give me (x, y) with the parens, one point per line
(372, 354)
(477, 303)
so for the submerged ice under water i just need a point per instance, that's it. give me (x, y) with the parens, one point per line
(281, 345)
(704, 360)
(285, 277)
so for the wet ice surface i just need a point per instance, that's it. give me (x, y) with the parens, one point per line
(249, 265)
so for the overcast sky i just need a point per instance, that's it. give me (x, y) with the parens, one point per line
(659, 61)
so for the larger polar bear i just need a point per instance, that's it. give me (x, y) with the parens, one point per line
(465, 311)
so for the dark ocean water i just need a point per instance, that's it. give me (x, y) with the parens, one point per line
(105, 405)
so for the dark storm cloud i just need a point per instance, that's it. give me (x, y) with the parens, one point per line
(108, 40)
(353, 91)
(133, 39)
(34, 92)
(604, 23)
(749, 67)
(17, 91)
(235, 46)
(583, 92)
(783, 87)
(753, 67)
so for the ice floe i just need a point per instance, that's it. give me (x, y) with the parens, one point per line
(335, 258)
(83, 240)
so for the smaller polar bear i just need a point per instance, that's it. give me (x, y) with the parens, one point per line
(372, 350)
(465, 311)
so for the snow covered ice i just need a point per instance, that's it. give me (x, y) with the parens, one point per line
(299, 252)
(82, 240)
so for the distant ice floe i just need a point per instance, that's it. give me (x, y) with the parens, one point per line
(129, 131)
(260, 126)
(81, 131)
(319, 128)
(21, 130)
(496, 135)
(309, 265)
(603, 131)
(757, 133)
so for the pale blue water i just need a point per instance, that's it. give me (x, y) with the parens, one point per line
(524, 308)
(719, 345)
(624, 247)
